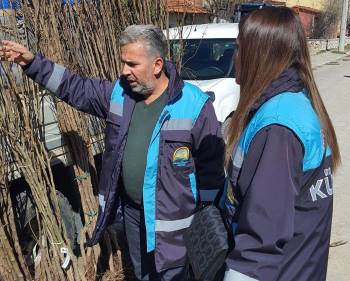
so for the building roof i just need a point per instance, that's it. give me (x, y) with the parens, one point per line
(185, 6)
(306, 9)
(296, 8)
(315, 6)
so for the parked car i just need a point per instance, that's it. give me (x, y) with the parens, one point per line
(207, 61)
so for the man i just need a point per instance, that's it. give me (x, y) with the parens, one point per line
(163, 148)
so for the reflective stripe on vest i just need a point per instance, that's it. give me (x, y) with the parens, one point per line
(177, 125)
(56, 78)
(174, 225)
(233, 275)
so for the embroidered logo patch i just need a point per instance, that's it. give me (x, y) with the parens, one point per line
(181, 155)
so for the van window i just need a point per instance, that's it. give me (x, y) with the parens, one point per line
(204, 59)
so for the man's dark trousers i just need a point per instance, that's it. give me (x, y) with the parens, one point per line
(143, 262)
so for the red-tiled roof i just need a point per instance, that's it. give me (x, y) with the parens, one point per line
(306, 9)
(185, 6)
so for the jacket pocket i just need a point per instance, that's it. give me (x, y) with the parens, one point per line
(177, 153)
(177, 200)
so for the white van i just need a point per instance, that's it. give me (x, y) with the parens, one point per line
(207, 61)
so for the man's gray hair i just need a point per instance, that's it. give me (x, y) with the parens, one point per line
(151, 35)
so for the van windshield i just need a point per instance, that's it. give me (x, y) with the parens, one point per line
(204, 59)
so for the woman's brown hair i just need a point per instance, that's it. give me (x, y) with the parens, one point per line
(271, 40)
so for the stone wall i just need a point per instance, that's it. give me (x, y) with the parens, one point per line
(316, 45)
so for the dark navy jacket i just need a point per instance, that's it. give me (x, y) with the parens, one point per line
(282, 228)
(184, 161)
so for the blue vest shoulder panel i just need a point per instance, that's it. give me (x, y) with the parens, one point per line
(294, 111)
(117, 99)
(190, 103)
(118, 93)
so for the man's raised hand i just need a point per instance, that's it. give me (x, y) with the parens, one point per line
(13, 52)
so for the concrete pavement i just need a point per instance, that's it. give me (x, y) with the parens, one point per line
(332, 73)
(325, 58)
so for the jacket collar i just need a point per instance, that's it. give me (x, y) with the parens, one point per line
(176, 83)
(288, 81)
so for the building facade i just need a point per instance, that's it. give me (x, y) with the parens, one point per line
(308, 11)
(184, 12)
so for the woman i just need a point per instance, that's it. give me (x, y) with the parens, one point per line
(281, 152)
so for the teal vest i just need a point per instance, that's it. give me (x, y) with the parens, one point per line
(293, 111)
